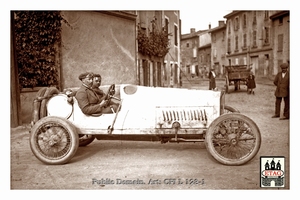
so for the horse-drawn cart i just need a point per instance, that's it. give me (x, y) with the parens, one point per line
(236, 75)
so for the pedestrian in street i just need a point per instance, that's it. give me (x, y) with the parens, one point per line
(251, 83)
(282, 82)
(212, 79)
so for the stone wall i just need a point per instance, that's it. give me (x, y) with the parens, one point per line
(98, 42)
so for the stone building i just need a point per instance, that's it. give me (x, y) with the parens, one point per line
(189, 53)
(218, 50)
(161, 71)
(248, 35)
(280, 38)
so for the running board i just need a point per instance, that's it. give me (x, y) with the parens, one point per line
(185, 140)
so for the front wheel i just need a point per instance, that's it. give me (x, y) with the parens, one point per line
(53, 140)
(233, 139)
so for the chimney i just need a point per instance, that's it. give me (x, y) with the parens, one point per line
(221, 23)
(209, 26)
(193, 30)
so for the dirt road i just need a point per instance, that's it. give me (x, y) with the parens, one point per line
(115, 165)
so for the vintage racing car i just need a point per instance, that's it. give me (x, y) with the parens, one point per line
(145, 114)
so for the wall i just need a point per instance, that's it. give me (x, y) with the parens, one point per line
(98, 42)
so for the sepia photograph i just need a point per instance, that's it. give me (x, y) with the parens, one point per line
(150, 99)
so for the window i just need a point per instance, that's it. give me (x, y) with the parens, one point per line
(236, 61)
(236, 43)
(215, 53)
(244, 21)
(267, 39)
(254, 39)
(159, 74)
(213, 37)
(229, 27)
(195, 52)
(175, 35)
(280, 42)
(187, 45)
(146, 73)
(236, 23)
(254, 18)
(166, 25)
(228, 46)
(280, 20)
(223, 37)
(245, 40)
(266, 15)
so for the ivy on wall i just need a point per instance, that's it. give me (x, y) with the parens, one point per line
(37, 33)
(154, 44)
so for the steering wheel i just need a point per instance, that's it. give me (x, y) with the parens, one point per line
(110, 92)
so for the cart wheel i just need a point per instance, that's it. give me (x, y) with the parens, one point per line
(53, 140)
(85, 140)
(228, 109)
(233, 139)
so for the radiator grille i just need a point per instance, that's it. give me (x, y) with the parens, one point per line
(183, 115)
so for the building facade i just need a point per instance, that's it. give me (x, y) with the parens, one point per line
(280, 37)
(159, 71)
(189, 53)
(248, 35)
(258, 39)
(218, 50)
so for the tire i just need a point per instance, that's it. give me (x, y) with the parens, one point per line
(53, 140)
(49, 92)
(36, 106)
(233, 139)
(228, 109)
(85, 140)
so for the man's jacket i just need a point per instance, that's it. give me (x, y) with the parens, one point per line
(283, 84)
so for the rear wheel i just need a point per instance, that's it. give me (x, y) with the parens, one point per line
(233, 139)
(53, 140)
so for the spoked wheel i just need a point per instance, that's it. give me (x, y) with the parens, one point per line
(233, 139)
(85, 140)
(53, 140)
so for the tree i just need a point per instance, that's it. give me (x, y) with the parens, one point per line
(37, 34)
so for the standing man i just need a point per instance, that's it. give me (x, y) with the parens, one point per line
(282, 82)
(212, 79)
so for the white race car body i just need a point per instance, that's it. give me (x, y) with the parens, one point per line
(146, 110)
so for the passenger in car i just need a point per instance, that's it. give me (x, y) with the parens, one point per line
(88, 100)
(96, 87)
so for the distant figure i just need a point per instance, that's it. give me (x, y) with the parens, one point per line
(251, 83)
(282, 82)
(212, 79)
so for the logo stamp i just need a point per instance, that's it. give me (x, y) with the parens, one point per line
(272, 171)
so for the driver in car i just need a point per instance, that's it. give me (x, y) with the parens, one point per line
(96, 87)
(88, 100)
